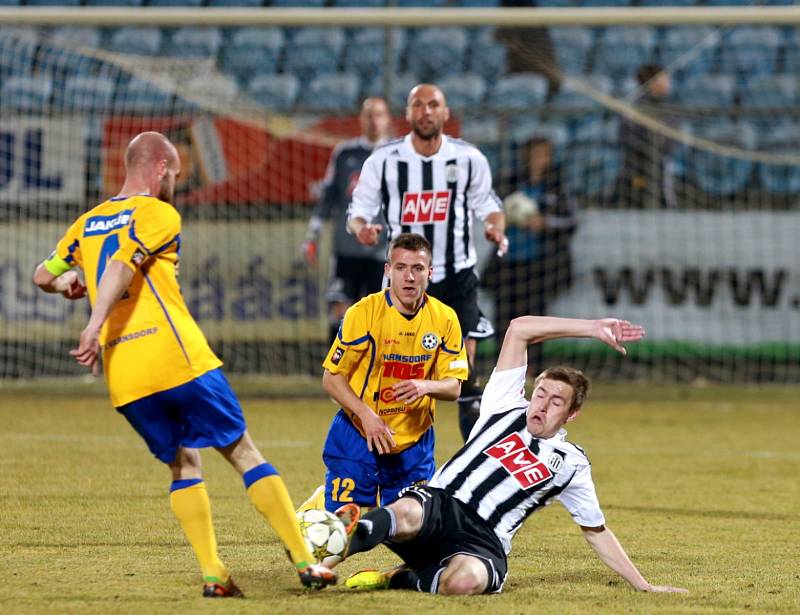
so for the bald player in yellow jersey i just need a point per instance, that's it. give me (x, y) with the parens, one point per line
(396, 353)
(162, 376)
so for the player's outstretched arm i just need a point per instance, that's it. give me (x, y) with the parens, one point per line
(527, 330)
(610, 551)
(116, 279)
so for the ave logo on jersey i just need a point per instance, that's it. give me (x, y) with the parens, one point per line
(425, 207)
(519, 461)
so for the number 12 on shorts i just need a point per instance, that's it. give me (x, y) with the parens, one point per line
(341, 488)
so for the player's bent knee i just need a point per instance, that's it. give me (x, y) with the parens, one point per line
(464, 575)
(462, 583)
(408, 516)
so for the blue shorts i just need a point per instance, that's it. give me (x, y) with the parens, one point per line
(354, 474)
(201, 413)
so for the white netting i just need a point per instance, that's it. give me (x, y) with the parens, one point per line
(683, 208)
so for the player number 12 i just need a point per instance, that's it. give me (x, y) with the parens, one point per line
(346, 485)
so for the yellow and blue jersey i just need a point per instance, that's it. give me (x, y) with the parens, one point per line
(378, 346)
(150, 342)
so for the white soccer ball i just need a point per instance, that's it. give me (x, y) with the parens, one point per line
(518, 207)
(324, 534)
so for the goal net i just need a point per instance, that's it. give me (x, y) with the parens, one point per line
(673, 208)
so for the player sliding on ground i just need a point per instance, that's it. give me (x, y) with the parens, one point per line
(454, 535)
(162, 376)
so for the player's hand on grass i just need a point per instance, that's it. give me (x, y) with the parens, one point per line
(409, 391)
(368, 234)
(615, 333)
(665, 589)
(377, 433)
(88, 349)
(70, 285)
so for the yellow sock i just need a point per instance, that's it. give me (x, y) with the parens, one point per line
(268, 493)
(189, 501)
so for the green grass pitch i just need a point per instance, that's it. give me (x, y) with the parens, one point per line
(700, 485)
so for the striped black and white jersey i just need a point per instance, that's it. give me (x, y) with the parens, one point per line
(434, 196)
(505, 474)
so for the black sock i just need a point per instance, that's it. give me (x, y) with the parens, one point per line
(468, 413)
(375, 527)
(404, 579)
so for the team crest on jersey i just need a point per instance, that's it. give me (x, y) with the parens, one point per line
(451, 173)
(519, 461)
(425, 207)
(337, 355)
(430, 341)
(555, 461)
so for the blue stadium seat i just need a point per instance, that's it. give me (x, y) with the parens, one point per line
(335, 93)
(437, 52)
(362, 4)
(252, 51)
(519, 92)
(463, 91)
(298, 3)
(191, 42)
(729, 2)
(479, 128)
(85, 94)
(364, 53)
(721, 175)
(708, 92)
(17, 50)
(668, 2)
(570, 98)
(556, 4)
(10, 2)
(113, 2)
(142, 97)
(769, 92)
(314, 51)
(420, 3)
(53, 2)
(26, 94)
(592, 170)
(750, 51)
(484, 4)
(401, 85)
(234, 3)
(276, 92)
(183, 3)
(596, 131)
(76, 36)
(522, 128)
(133, 40)
(487, 59)
(782, 180)
(620, 51)
(572, 46)
(609, 3)
(689, 50)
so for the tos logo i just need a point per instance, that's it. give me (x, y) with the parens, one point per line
(401, 371)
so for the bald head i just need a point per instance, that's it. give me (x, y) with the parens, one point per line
(427, 111)
(152, 165)
(147, 148)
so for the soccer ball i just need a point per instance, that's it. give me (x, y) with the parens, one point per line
(518, 207)
(324, 534)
